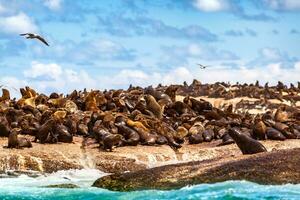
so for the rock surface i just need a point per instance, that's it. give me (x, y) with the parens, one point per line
(53, 157)
(277, 167)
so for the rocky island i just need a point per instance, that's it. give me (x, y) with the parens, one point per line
(155, 138)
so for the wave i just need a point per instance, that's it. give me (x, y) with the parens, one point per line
(28, 188)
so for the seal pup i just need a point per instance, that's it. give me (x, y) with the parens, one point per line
(246, 144)
(15, 142)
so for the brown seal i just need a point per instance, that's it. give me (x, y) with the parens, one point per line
(110, 140)
(246, 144)
(5, 95)
(153, 106)
(15, 142)
(259, 130)
(146, 137)
(63, 133)
(45, 132)
(4, 127)
(132, 138)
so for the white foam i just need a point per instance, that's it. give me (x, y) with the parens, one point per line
(82, 178)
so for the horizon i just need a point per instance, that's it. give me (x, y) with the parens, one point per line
(110, 45)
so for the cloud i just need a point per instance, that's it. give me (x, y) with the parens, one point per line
(212, 5)
(17, 24)
(251, 32)
(234, 33)
(178, 55)
(144, 26)
(53, 4)
(47, 71)
(239, 33)
(66, 80)
(254, 17)
(294, 31)
(89, 51)
(275, 32)
(51, 77)
(2, 9)
(283, 5)
(272, 55)
(232, 6)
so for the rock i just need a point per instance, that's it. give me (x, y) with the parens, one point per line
(257, 168)
(65, 185)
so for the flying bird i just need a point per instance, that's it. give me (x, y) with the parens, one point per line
(34, 36)
(203, 66)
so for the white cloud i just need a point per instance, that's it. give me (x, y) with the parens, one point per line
(211, 5)
(283, 4)
(39, 69)
(53, 4)
(2, 9)
(66, 80)
(17, 24)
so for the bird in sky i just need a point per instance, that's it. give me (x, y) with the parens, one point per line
(34, 36)
(203, 66)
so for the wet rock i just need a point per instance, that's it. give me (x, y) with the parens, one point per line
(211, 171)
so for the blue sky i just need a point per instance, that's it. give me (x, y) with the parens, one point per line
(112, 43)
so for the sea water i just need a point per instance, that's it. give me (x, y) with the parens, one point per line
(25, 187)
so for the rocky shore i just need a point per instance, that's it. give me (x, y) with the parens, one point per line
(277, 167)
(54, 157)
(164, 137)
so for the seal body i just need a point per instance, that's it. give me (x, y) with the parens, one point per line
(153, 106)
(246, 144)
(132, 138)
(15, 142)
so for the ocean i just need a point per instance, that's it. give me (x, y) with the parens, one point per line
(27, 188)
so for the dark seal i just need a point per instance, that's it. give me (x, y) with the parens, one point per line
(246, 144)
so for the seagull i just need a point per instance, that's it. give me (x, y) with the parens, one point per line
(203, 66)
(34, 36)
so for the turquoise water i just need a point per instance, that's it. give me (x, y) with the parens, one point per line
(30, 188)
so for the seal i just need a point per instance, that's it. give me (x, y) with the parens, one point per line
(4, 127)
(63, 133)
(196, 128)
(110, 140)
(146, 137)
(208, 135)
(274, 134)
(132, 138)
(15, 142)
(226, 139)
(246, 144)
(171, 92)
(153, 106)
(44, 134)
(285, 130)
(5, 95)
(180, 134)
(259, 130)
(196, 138)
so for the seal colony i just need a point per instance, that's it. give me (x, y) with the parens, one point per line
(152, 116)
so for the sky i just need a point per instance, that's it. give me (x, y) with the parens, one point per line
(101, 44)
